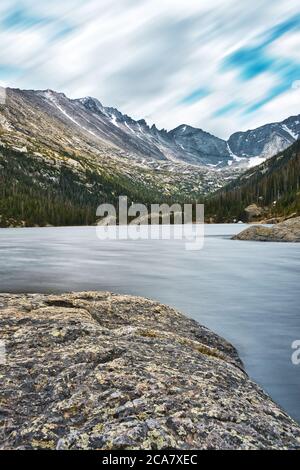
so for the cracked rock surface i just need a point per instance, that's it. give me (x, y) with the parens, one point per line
(96, 370)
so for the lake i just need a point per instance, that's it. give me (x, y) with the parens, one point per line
(247, 292)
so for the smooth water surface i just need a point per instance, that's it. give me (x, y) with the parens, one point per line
(246, 291)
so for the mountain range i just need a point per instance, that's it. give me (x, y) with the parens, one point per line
(52, 120)
(78, 152)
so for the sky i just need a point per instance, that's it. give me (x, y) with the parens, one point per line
(221, 65)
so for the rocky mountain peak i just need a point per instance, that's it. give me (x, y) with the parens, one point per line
(187, 144)
(92, 104)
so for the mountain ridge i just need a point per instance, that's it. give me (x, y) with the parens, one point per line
(79, 153)
(183, 144)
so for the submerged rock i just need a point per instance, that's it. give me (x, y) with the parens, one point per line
(287, 231)
(103, 371)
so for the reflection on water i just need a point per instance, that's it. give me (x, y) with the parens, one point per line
(246, 291)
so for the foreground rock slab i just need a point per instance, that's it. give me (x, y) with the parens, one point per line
(103, 371)
(287, 231)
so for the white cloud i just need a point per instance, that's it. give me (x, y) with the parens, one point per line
(146, 56)
(287, 46)
(278, 109)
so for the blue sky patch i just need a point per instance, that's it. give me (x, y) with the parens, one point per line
(195, 96)
(22, 18)
(227, 109)
(9, 72)
(134, 57)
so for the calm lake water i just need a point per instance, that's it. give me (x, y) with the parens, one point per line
(247, 292)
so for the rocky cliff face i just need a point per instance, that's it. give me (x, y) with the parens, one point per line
(36, 120)
(267, 140)
(200, 147)
(287, 231)
(102, 371)
(86, 136)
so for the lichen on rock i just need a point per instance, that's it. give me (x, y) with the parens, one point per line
(96, 370)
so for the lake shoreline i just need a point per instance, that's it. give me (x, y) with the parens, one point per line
(214, 286)
(127, 372)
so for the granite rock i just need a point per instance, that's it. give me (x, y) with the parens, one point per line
(96, 370)
(287, 231)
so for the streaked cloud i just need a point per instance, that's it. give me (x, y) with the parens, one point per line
(220, 65)
(196, 95)
(254, 60)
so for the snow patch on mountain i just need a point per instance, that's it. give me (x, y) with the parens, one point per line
(140, 129)
(114, 120)
(234, 157)
(254, 161)
(52, 99)
(289, 131)
(128, 127)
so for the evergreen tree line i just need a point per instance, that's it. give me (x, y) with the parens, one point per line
(275, 185)
(35, 192)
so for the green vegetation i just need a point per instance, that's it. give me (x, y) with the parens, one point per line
(35, 191)
(40, 190)
(274, 185)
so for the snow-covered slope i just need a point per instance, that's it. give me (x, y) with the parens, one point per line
(267, 140)
(50, 124)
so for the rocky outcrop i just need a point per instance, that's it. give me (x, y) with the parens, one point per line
(276, 220)
(287, 231)
(103, 371)
(253, 212)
